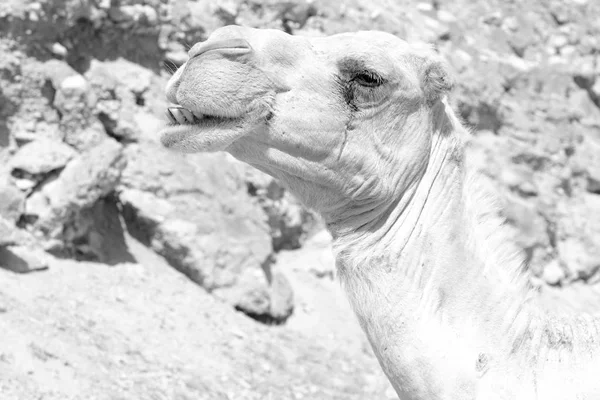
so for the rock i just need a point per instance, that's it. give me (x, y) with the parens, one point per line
(25, 184)
(553, 273)
(494, 18)
(133, 14)
(446, 17)
(324, 267)
(519, 179)
(268, 299)
(595, 90)
(176, 57)
(87, 137)
(557, 41)
(435, 29)
(183, 246)
(482, 111)
(289, 222)
(32, 116)
(227, 11)
(97, 234)
(120, 87)
(530, 224)
(59, 50)
(75, 101)
(12, 201)
(195, 211)
(148, 15)
(121, 73)
(585, 161)
(294, 15)
(88, 177)
(578, 235)
(568, 51)
(75, 85)
(281, 295)
(41, 157)
(510, 24)
(144, 212)
(23, 259)
(425, 7)
(583, 105)
(459, 59)
(593, 181)
(11, 235)
(150, 125)
(583, 261)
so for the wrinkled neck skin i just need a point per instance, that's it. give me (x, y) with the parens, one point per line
(449, 315)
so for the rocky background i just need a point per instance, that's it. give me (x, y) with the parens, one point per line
(89, 198)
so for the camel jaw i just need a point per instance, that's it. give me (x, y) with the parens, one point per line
(192, 132)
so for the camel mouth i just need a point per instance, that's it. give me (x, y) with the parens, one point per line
(192, 131)
(178, 115)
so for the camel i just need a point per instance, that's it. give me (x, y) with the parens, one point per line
(359, 127)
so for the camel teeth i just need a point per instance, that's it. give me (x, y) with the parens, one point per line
(189, 117)
(170, 116)
(179, 115)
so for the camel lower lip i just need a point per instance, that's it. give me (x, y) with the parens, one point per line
(208, 134)
(198, 126)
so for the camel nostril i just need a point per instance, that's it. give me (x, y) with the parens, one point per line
(233, 46)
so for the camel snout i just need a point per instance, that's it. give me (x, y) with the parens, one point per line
(227, 46)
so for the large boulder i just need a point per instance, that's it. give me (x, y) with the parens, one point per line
(196, 212)
(585, 163)
(266, 295)
(73, 98)
(12, 200)
(121, 88)
(290, 223)
(10, 235)
(19, 251)
(23, 259)
(578, 235)
(40, 157)
(88, 177)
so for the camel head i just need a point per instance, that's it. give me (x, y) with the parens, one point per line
(346, 121)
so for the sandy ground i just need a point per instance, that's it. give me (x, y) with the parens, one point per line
(143, 331)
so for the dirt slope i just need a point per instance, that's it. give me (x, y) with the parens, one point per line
(144, 331)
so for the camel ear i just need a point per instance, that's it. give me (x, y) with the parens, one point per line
(436, 81)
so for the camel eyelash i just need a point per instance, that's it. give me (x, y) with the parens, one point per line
(360, 84)
(367, 79)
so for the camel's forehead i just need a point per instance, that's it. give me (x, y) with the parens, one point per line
(373, 45)
(378, 50)
(363, 41)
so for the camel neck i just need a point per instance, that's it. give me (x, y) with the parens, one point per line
(440, 292)
(425, 288)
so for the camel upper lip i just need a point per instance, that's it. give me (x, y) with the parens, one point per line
(239, 45)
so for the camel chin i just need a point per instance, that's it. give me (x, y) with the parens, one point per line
(204, 134)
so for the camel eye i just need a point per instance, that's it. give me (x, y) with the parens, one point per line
(368, 79)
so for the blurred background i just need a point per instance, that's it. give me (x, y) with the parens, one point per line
(129, 272)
